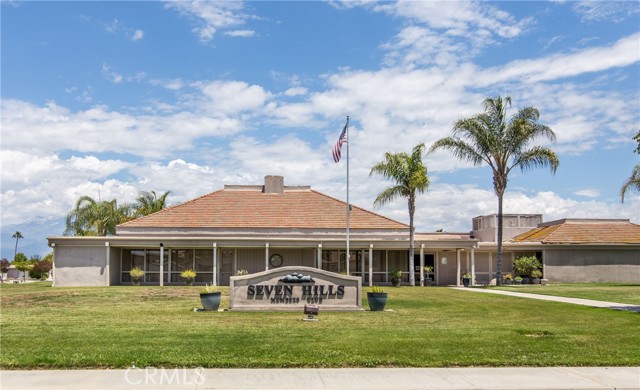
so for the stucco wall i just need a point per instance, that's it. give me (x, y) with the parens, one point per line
(80, 266)
(580, 265)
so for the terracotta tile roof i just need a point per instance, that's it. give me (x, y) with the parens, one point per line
(251, 208)
(583, 232)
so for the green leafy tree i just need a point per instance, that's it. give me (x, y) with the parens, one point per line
(503, 144)
(17, 235)
(633, 182)
(410, 177)
(96, 218)
(148, 202)
(22, 264)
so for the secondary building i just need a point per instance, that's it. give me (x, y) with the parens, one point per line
(261, 227)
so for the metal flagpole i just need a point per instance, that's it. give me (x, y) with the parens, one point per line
(348, 204)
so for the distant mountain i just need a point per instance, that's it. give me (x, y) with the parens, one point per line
(35, 232)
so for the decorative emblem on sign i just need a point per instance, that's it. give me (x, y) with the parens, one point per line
(297, 278)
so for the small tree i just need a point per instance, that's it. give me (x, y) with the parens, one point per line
(23, 266)
(4, 268)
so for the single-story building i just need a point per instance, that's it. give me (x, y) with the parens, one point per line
(256, 228)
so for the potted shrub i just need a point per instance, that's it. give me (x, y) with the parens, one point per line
(508, 279)
(242, 272)
(189, 276)
(536, 274)
(210, 298)
(518, 280)
(427, 270)
(466, 279)
(396, 277)
(376, 298)
(524, 265)
(136, 275)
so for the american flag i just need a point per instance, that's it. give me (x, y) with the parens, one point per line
(337, 149)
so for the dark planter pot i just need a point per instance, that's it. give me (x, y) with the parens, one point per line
(210, 301)
(466, 281)
(188, 282)
(395, 282)
(525, 280)
(376, 301)
(135, 282)
(518, 281)
(535, 281)
(508, 281)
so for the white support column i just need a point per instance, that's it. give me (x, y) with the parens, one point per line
(319, 257)
(53, 265)
(161, 264)
(266, 256)
(473, 266)
(106, 265)
(370, 265)
(422, 265)
(436, 267)
(457, 267)
(215, 264)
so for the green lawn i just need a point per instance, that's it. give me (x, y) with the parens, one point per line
(609, 292)
(115, 327)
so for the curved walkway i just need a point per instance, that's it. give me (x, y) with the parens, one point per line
(545, 378)
(575, 301)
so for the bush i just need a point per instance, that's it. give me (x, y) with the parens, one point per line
(188, 274)
(136, 273)
(524, 265)
(40, 270)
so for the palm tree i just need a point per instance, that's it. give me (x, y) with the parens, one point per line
(410, 176)
(632, 182)
(149, 203)
(91, 218)
(503, 145)
(17, 235)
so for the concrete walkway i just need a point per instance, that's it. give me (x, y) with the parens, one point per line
(575, 301)
(352, 378)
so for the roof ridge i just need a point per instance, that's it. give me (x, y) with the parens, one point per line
(360, 208)
(167, 209)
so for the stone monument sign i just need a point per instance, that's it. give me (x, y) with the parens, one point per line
(290, 288)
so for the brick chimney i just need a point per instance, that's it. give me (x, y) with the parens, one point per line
(273, 184)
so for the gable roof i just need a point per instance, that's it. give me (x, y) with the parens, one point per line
(583, 231)
(242, 207)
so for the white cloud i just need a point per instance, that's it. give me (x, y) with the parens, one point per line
(622, 53)
(137, 35)
(110, 74)
(240, 33)
(49, 128)
(296, 91)
(589, 193)
(172, 84)
(211, 16)
(232, 96)
(614, 11)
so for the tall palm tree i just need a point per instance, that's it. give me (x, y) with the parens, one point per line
(91, 218)
(148, 202)
(410, 176)
(17, 235)
(503, 145)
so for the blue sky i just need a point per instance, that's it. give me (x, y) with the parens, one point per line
(111, 98)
